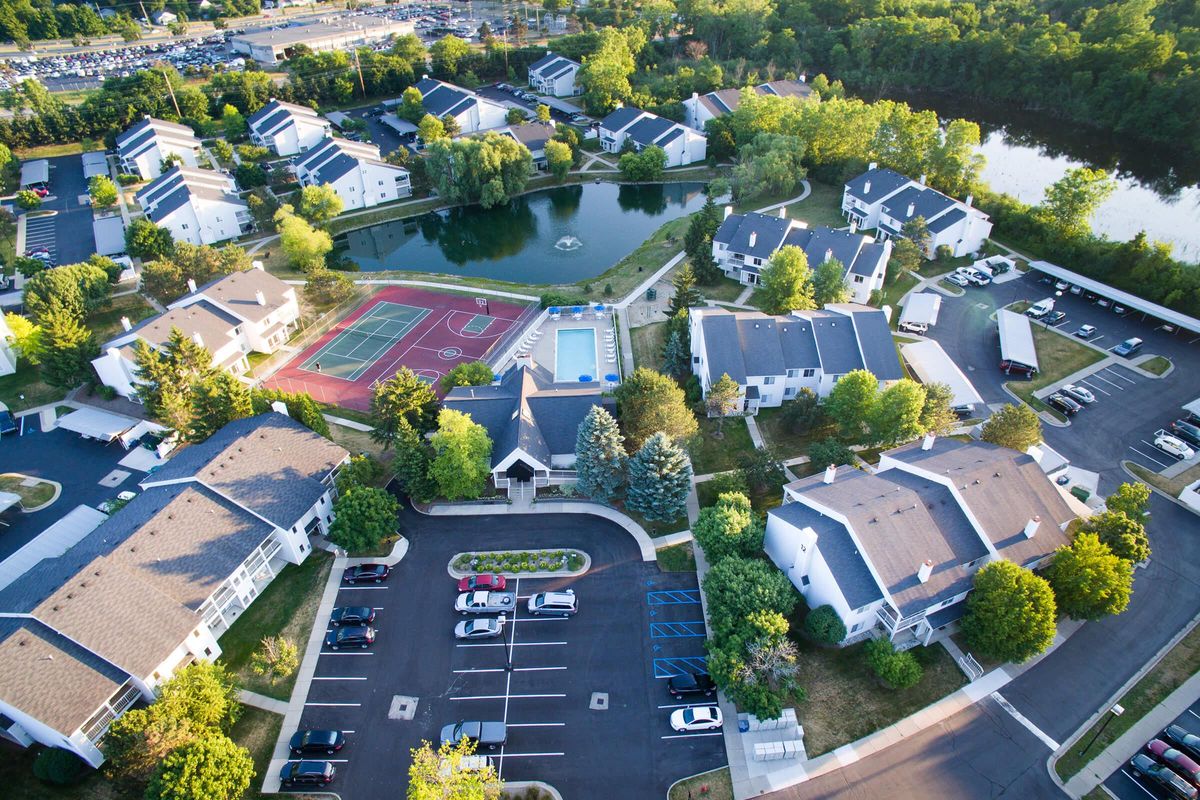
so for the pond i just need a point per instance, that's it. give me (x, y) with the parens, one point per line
(1027, 152)
(561, 235)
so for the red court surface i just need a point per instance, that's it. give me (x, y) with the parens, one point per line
(442, 338)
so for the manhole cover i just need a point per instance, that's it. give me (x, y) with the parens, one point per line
(114, 478)
(599, 701)
(983, 306)
(403, 707)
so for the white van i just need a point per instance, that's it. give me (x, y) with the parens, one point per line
(1041, 308)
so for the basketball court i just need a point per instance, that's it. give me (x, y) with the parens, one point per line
(398, 327)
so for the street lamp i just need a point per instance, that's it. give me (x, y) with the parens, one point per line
(1116, 711)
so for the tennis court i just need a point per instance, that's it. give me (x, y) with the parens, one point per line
(428, 332)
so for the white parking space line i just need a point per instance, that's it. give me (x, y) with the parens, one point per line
(1114, 373)
(505, 644)
(475, 671)
(336, 705)
(343, 653)
(537, 669)
(339, 678)
(1097, 376)
(507, 697)
(353, 586)
(1138, 783)
(530, 755)
(1153, 449)
(1096, 388)
(1194, 714)
(538, 619)
(683, 705)
(1025, 721)
(693, 735)
(537, 724)
(1148, 458)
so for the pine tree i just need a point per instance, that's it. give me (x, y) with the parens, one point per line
(70, 348)
(723, 399)
(676, 360)
(599, 455)
(217, 400)
(660, 478)
(165, 378)
(686, 295)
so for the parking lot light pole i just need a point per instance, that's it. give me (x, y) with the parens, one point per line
(508, 667)
(1114, 712)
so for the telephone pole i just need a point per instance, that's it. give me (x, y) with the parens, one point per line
(171, 91)
(358, 66)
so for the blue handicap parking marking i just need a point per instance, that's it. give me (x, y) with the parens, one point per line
(676, 630)
(672, 667)
(674, 597)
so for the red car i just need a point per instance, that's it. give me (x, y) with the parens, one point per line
(1176, 760)
(487, 583)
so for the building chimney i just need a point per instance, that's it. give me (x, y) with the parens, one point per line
(921, 180)
(258, 265)
(196, 338)
(802, 77)
(970, 199)
(873, 165)
(728, 211)
(924, 571)
(191, 285)
(113, 352)
(695, 96)
(853, 225)
(783, 212)
(829, 254)
(830, 473)
(260, 297)
(928, 443)
(867, 187)
(753, 237)
(911, 208)
(1032, 526)
(280, 407)
(126, 324)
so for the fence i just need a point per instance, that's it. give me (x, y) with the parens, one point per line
(504, 349)
(309, 332)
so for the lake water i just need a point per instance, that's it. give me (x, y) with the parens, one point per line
(561, 235)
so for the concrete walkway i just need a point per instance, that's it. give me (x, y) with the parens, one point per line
(347, 423)
(755, 435)
(262, 701)
(672, 539)
(806, 188)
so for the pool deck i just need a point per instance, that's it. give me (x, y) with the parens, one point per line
(542, 349)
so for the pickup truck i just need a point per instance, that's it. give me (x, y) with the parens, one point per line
(486, 734)
(485, 602)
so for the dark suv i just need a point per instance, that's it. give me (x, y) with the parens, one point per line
(350, 636)
(352, 615)
(1188, 431)
(306, 773)
(691, 683)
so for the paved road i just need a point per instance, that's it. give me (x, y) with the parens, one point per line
(1126, 786)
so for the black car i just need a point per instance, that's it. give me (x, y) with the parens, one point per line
(1182, 739)
(691, 683)
(1054, 317)
(1064, 404)
(363, 573)
(350, 636)
(1188, 431)
(306, 773)
(352, 615)
(1171, 784)
(317, 741)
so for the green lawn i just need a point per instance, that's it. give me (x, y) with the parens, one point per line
(257, 731)
(287, 607)
(822, 207)
(761, 501)
(24, 389)
(787, 441)
(1058, 357)
(894, 291)
(725, 290)
(1157, 365)
(715, 785)
(648, 341)
(712, 454)
(106, 323)
(1176, 667)
(677, 558)
(655, 528)
(31, 496)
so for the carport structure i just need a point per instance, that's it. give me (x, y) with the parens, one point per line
(92, 423)
(1016, 338)
(921, 309)
(931, 364)
(1126, 299)
(35, 173)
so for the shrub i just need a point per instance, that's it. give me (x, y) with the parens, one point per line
(128, 179)
(106, 392)
(824, 625)
(58, 766)
(562, 299)
(897, 670)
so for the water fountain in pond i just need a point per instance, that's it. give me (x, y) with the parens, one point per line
(568, 243)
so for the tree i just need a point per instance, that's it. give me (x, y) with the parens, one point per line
(412, 105)
(737, 587)
(724, 398)
(60, 767)
(304, 245)
(319, 203)
(649, 402)
(28, 339)
(401, 399)
(686, 294)
(363, 470)
(450, 126)
(209, 768)
(462, 456)
(729, 528)
(916, 230)
(897, 670)
(851, 403)
(1088, 579)
(824, 625)
(787, 282)
(217, 399)
(559, 158)
(761, 468)
(363, 517)
(441, 775)
(145, 240)
(79, 289)
(896, 414)
(1015, 427)
(1010, 614)
(515, 116)
(937, 417)
(233, 124)
(599, 455)
(646, 166)
(324, 286)
(906, 257)
(770, 164)
(660, 479)
(468, 373)
(543, 113)
(446, 53)
(69, 348)
(829, 452)
(411, 464)
(103, 191)
(605, 73)
(166, 377)
(28, 200)
(829, 283)
(430, 129)
(300, 407)
(1071, 201)
(488, 169)
(166, 279)
(677, 361)
(697, 242)
(276, 657)
(1123, 535)
(1130, 499)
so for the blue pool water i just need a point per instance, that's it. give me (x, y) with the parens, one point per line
(574, 354)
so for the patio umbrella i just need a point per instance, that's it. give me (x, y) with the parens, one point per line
(585, 378)
(577, 310)
(554, 310)
(599, 307)
(612, 377)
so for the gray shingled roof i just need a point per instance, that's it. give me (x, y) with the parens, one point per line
(760, 345)
(849, 569)
(214, 326)
(799, 345)
(237, 292)
(951, 217)
(440, 99)
(769, 234)
(723, 347)
(883, 183)
(723, 101)
(837, 343)
(925, 203)
(647, 130)
(876, 343)
(274, 114)
(617, 120)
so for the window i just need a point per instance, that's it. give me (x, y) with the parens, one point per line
(858, 278)
(184, 226)
(381, 183)
(789, 392)
(792, 373)
(808, 373)
(804, 580)
(695, 359)
(856, 627)
(208, 652)
(769, 380)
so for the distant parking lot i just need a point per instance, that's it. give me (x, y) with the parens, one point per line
(1127, 785)
(580, 695)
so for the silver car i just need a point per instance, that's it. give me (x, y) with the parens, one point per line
(481, 628)
(1078, 393)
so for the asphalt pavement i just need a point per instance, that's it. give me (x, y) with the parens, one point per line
(72, 239)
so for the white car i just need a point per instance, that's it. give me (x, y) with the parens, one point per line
(958, 279)
(1175, 447)
(1078, 393)
(485, 628)
(696, 718)
(914, 327)
(976, 276)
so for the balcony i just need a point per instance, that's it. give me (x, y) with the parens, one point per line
(894, 623)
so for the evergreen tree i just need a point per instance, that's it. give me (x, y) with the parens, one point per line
(69, 348)
(723, 399)
(599, 455)
(676, 359)
(686, 294)
(697, 242)
(406, 398)
(165, 378)
(660, 478)
(218, 398)
(411, 464)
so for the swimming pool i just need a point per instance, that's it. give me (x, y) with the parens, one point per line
(574, 354)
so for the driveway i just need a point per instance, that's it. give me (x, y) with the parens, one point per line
(616, 645)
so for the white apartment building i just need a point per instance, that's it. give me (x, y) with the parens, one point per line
(555, 75)
(355, 171)
(200, 206)
(288, 129)
(641, 129)
(472, 112)
(142, 148)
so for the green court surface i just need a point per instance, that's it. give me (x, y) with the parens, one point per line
(478, 324)
(359, 345)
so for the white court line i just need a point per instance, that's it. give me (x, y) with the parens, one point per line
(1148, 458)
(315, 678)
(1138, 783)
(692, 735)
(537, 724)
(1025, 721)
(504, 644)
(507, 696)
(336, 705)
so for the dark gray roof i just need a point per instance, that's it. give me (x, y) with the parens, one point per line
(618, 119)
(176, 187)
(925, 203)
(870, 258)
(647, 130)
(534, 135)
(276, 113)
(799, 346)
(951, 217)
(817, 243)
(839, 551)
(674, 133)
(946, 615)
(545, 60)
(552, 66)
(129, 142)
(768, 232)
(178, 198)
(837, 343)
(876, 343)
(883, 183)
(760, 346)
(440, 99)
(723, 347)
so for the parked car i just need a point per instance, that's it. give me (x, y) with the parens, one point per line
(1120, 310)
(696, 718)
(691, 683)
(1078, 393)
(958, 279)
(558, 604)
(306, 773)
(1064, 404)
(362, 573)
(1041, 308)
(352, 615)
(977, 277)
(317, 740)
(1128, 347)
(350, 636)
(1181, 739)
(1061, 286)
(1162, 777)
(579, 119)
(1175, 759)
(1103, 302)
(1187, 431)
(1016, 367)
(919, 328)
(1172, 446)
(481, 628)
(1085, 331)
(485, 602)
(491, 583)
(487, 734)
(1055, 317)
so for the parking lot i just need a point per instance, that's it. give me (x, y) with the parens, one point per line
(1127, 785)
(579, 695)
(66, 234)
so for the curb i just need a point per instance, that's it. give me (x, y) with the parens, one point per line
(1153, 488)
(514, 786)
(564, 573)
